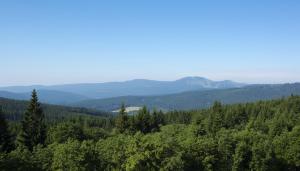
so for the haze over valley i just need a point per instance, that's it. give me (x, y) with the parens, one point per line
(183, 94)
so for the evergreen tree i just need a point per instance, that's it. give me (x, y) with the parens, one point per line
(132, 124)
(157, 120)
(143, 120)
(33, 126)
(215, 119)
(5, 137)
(122, 121)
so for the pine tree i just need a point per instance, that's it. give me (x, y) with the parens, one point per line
(33, 126)
(215, 118)
(5, 137)
(143, 120)
(157, 120)
(122, 121)
(132, 124)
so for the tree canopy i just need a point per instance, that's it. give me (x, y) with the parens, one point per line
(263, 135)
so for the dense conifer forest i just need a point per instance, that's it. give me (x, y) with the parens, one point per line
(14, 109)
(263, 135)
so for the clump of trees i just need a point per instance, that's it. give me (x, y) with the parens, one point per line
(253, 136)
(5, 137)
(143, 121)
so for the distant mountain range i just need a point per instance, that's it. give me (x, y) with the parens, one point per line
(71, 93)
(185, 93)
(197, 99)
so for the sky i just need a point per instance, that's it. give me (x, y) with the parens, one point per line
(72, 41)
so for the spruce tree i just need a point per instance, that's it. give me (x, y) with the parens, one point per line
(122, 121)
(157, 120)
(5, 137)
(215, 118)
(143, 120)
(33, 126)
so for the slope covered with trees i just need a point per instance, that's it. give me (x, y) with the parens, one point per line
(264, 135)
(46, 96)
(14, 109)
(197, 99)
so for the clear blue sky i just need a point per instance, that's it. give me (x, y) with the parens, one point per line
(72, 41)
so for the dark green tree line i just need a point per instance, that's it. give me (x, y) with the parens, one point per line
(264, 135)
(5, 136)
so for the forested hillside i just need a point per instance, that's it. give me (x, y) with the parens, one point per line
(14, 109)
(197, 99)
(264, 135)
(46, 96)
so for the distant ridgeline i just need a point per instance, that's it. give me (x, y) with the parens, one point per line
(14, 109)
(196, 99)
(65, 94)
(184, 94)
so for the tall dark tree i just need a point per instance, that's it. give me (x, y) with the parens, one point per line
(122, 120)
(5, 137)
(33, 126)
(157, 120)
(143, 120)
(215, 118)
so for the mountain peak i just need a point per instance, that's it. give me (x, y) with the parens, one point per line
(193, 78)
(132, 87)
(196, 81)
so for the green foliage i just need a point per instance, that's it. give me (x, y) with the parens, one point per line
(157, 120)
(287, 148)
(143, 120)
(33, 126)
(122, 120)
(5, 137)
(15, 109)
(259, 136)
(61, 132)
(112, 151)
(20, 159)
(215, 118)
(153, 152)
(74, 155)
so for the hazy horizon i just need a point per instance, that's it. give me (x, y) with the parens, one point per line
(58, 42)
(71, 83)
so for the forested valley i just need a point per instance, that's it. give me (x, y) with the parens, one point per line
(263, 135)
